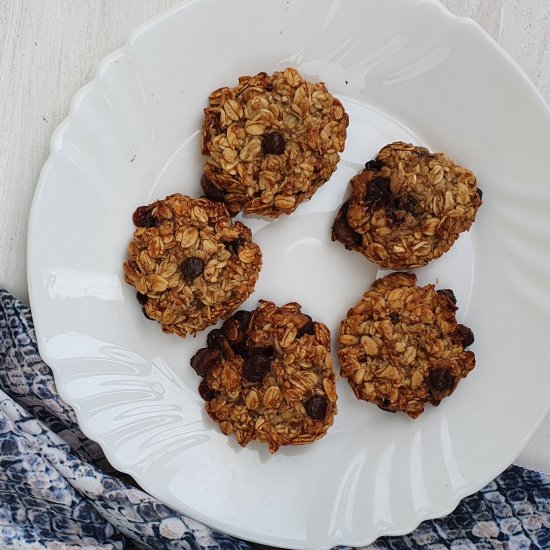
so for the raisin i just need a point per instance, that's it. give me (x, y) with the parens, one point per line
(233, 246)
(256, 366)
(143, 217)
(308, 328)
(210, 191)
(374, 165)
(241, 349)
(191, 267)
(269, 352)
(213, 339)
(147, 316)
(233, 331)
(204, 360)
(342, 231)
(394, 318)
(316, 407)
(449, 293)
(463, 336)
(243, 318)
(378, 192)
(273, 144)
(206, 392)
(398, 206)
(440, 379)
(409, 204)
(142, 298)
(394, 217)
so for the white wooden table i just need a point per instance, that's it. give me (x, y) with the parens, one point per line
(50, 48)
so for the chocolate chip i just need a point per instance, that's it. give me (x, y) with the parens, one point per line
(204, 360)
(143, 217)
(269, 87)
(211, 191)
(147, 316)
(480, 193)
(378, 192)
(374, 165)
(316, 407)
(233, 246)
(463, 336)
(243, 318)
(440, 379)
(449, 293)
(395, 318)
(342, 231)
(191, 267)
(256, 366)
(213, 339)
(308, 328)
(206, 392)
(273, 144)
(142, 298)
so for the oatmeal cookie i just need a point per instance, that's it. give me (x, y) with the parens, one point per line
(271, 142)
(267, 376)
(401, 347)
(407, 207)
(190, 263)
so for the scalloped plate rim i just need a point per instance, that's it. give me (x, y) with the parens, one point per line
(56, 146)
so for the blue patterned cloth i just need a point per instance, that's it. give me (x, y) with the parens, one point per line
(58, 492)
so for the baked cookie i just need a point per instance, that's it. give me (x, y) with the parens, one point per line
(401, 347)
(267, 376)
(271, 142)
(407, 207)
(190, 263)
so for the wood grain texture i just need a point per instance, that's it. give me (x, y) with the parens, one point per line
(50, 48)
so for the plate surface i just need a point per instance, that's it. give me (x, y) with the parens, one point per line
(404, 69)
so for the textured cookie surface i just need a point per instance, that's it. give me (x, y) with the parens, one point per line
(190, 263)
(401, 347)
(407, 207)
(271, 142)
(267, 376)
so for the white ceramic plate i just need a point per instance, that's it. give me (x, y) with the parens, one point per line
(405, 70)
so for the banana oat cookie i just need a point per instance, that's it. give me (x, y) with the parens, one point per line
(267, 376)
(407, 207)
(401, 347)
(271, 142)
(190, 263)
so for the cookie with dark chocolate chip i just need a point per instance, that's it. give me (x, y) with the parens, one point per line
(190, 263)
(267, 376)
(401, 347)
(271, 142)
(407, 207)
